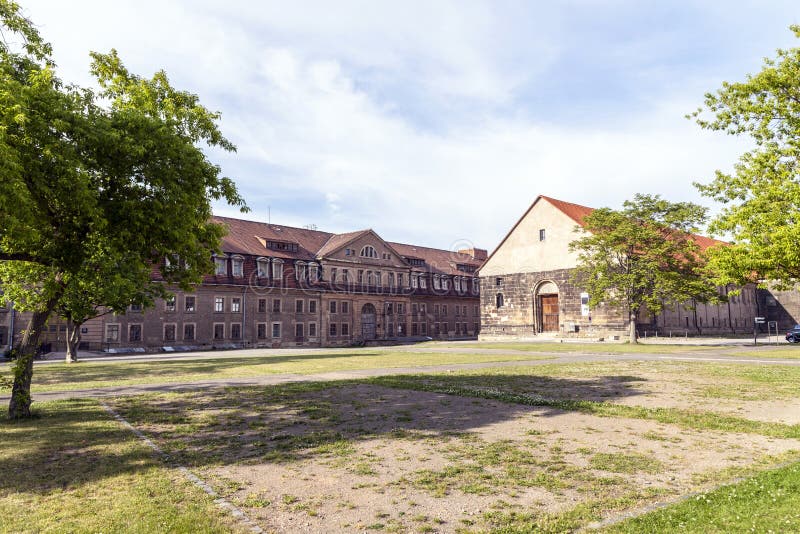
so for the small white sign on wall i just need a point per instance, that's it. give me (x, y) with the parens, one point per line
(585, 304)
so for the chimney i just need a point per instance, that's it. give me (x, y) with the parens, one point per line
(476, 253)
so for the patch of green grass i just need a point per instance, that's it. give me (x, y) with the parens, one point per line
(769, 352)
(87, 374)
(582, 348)
(73, 468)
(767, 502)
(629, 463)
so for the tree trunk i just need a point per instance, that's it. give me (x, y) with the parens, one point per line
(73, 340)
(19, 406)
(633, 335)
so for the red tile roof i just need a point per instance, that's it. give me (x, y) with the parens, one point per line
(244, 237)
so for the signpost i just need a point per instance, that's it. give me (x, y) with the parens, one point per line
(757, 321)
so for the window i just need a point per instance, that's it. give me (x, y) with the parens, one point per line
(345, 329)
(170, 331)
(445, 283)
(313, 270)
(332, 330)
(444, 310)
(333, 306)
(458, 329)
(369, 252)
(312, 329)
(261, 330)
(414, 280)
(188, 331)
(400, 308)
(282, 245)
(262, 267)
(390, 279)
(458, 311)
(414, 309)
(219, 331)
(370, 279)
(389, 308)
(436, 329)
(236, 304)
(399, 279)
(300, 270)
(423, 309)
(345, 307)
(262, 305)
(112, 333)
(499, 300)
(498, 282)
(219, 304)
(169, 304)
(136, 307)
(423, 282)
(312, 306)
(378, 281)
(348, 252)
(236, 331)
(360, 277)
(436, 310)
(423, 329)
(237, 264)
(333, 274)
(298, 330)
(298, 306)
(436, 281)
(189, 303)
(220, 266)
(475, 286)
(276, 305)
(276, 330)
(135, 332)
(464, 310)
(345, 276)
(414, 329)
(277, 270)
(541, 235)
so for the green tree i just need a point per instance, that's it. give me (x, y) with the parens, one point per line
(762, 195)
(97, 187)
(644, 256)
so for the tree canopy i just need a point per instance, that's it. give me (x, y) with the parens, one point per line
(644, 256)
(98, 186)
(762, 195)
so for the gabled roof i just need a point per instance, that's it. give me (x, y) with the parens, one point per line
(438, 260)
(576, 212)
(338, 241)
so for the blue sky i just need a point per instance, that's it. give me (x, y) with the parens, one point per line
(439, 122)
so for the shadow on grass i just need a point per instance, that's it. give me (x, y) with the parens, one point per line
(74, 442)
(111, 371)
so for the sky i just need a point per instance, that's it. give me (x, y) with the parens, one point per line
(439, 122)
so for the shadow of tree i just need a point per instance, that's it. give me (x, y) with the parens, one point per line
(74, 442)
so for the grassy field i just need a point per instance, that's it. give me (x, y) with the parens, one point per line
(75, 469)
(577, 347)
(59, 376)
(545, 448)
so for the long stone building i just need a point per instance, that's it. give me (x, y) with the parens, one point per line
(526, 288)
(280, 286)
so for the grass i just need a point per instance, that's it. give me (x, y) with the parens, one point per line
(75, 469)
(583, 348)
(767, 502)
(63, 377)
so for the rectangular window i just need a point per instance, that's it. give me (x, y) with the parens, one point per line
(444, 310)
(458, 311)
(436, 310)
(414, 329)
(261, 330)
(423, 327)
(399, 280)
(219, 331)
(345, 276)
(414, 309)
(276, 330)
(262, 305)
(312, 306)
(219, 304)
(238, 267)
(400, 308)
(332, 330)
(389, 308)
(345, 329)
(360, 278)
(170, 332)
(345, 307)
(423, 309)
(464, 310)
(220, 266)
(236, 331)
(189, 303)
(541, 234)
(298, 330)
(188, 331)
(112, 333)
(333, 306)
(333, 274)
(276, 305)
(436, 329)
(298, 306)
(135, 332)
(277, 271)
(312, 329)
(169, 304)
(136, 307)
(236, 304)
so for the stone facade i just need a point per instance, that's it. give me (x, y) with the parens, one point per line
(780, 306)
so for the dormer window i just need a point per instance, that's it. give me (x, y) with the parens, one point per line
(457, 283)
(220, 265)
(369, 252)
(277, 269)
(313, 270)
(300, 270)
(422, 282)
(286, 246)
(475, 286)
(237, 266)
(414, 280)
(445, 283)
(437, 282)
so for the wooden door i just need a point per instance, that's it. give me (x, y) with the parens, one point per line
(368, 322)
(549, 307)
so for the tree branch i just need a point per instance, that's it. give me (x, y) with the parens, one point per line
(20, 256)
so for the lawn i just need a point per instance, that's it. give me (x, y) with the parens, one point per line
(75, 469)
(86, 374)
(578, 347)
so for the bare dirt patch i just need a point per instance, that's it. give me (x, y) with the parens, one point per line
(358, 457)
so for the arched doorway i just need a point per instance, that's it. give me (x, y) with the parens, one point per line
(368, 321)
(547, 307)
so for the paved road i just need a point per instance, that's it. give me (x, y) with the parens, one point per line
(549, 358)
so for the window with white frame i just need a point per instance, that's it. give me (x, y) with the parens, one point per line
(261, 330)
(423, 282)
(219, 304)
(414, 280)
(237, 266)
(313, 272)
(134, 332)
(189, 303)
(445, 283)
(169, 304)
(399, 279)
(437, 282)
(276, 330)
(170, 331)
(236, 331)
(475, 286)
(236, 304)
(112, 333)
(390, 280)
(300, 270)
(262, 268)
(370, 278)
(369, 252)
(378, 281)
(219, 331)
(188, 331)
(277, 270)
(220, 265)
(312, 329)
